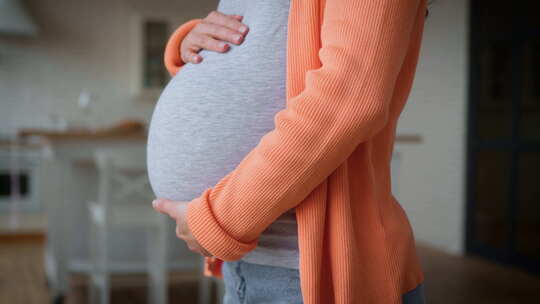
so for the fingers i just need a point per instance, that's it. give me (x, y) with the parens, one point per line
(229, 21)
(165, 206)
(212, 34)
(191, 56)
(182, 232)
(204, 41)
(237, 17)
(195, 247)
(179, 233)
(220, 33)
(176, 210)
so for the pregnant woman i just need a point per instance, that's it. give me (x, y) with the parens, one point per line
(212, 114)
(273, 153)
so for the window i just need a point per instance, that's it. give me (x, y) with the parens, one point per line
(149, 32)
(155, 35)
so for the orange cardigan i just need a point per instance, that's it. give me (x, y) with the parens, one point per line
(350, 68)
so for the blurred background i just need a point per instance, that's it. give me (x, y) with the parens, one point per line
(78, 84)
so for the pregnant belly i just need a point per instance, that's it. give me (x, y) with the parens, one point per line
(207, 119)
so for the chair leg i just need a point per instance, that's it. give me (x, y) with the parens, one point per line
(220, 290)
(205, 286)
(157, 264)
(99, 283)
(92, 273)
(99, 288)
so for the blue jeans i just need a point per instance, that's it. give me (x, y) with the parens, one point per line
(247, 283)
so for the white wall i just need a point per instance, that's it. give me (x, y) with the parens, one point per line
(431, 183)
(88, 45)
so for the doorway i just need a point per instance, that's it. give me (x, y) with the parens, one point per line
(503, 140)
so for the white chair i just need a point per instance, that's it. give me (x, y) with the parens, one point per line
(124, 201)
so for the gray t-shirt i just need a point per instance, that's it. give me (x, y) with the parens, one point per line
(211, 114)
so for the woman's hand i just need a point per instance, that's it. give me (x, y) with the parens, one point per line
(211, 34)
(177, 211)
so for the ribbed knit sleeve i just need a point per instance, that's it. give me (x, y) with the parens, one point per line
(172, 57)
(344, 103)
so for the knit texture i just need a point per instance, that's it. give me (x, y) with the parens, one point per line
(350, 69)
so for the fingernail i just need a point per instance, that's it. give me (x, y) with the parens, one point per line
(237, 38)
(222, 45)
(243, 29)
(154, 203)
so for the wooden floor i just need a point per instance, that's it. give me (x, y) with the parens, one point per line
(22, 280)
(21, 272)
(449, 280)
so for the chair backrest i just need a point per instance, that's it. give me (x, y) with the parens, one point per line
(122, 157)
(122, 175)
